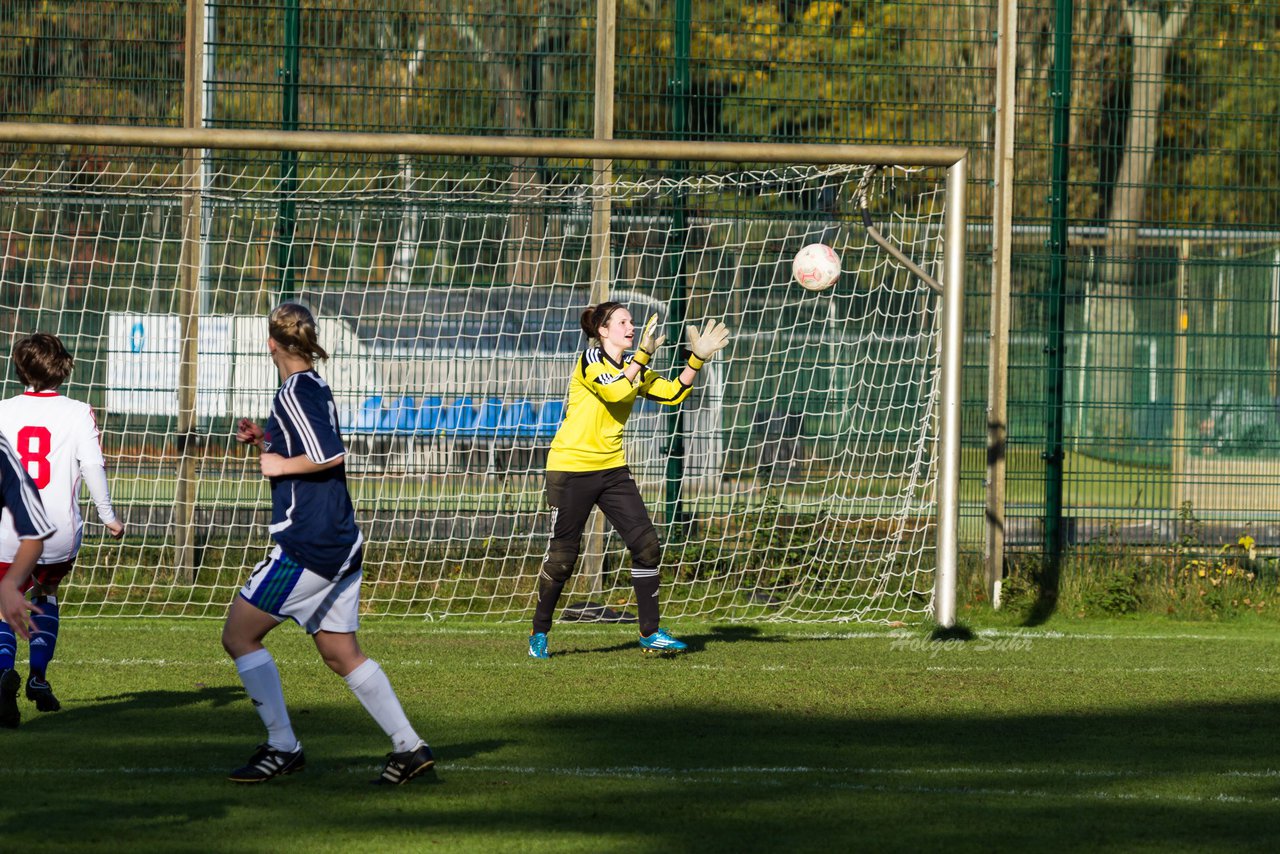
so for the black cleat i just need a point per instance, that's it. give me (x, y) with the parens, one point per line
(40, 693)
(403, 767)
(9, 682)
(267, 762)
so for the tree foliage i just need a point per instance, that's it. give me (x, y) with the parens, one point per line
(867, 71)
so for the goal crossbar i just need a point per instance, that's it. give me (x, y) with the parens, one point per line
(478, 146)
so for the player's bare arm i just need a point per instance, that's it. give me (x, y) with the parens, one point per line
(14, 607)
(274, 465)
(249, 433)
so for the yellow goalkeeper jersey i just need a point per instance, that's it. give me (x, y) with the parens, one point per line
(600, 401)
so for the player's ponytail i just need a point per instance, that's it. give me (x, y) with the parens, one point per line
(293, 327)
(597, 316)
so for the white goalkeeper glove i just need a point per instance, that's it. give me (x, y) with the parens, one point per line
(650, 341)
(713, 338)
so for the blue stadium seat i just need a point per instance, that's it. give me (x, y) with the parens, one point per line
(458, 418)
(528, 426)
(524, 418)
(428, 417)
(369, 415)
(399, 416)
(549, 418)
(490, 417)
(347, 418)
(509, 422)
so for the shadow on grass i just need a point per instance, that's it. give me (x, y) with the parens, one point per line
(1179, 777)
(151, 730)
(696, 643)
(621, 646)
(957, 632)
(1154, 778)
(1049, 583)
(217, 697)
(730, 634)
(88, 712)
(1173, 777)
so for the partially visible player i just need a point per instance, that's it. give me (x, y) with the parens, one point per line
(21, 503)
(312, 576)
(587, 467)
(56, 442)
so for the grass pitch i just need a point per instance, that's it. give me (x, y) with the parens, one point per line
(1126, 735)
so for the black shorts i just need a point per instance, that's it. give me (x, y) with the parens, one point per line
(47, 575)
(573, 493)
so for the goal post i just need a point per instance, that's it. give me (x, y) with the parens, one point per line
(818, 461)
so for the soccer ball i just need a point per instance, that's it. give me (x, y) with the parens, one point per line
(816, 267)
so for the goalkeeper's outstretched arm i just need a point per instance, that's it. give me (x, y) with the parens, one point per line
(703, 345)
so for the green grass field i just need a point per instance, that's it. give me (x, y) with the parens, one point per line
(1124, 735)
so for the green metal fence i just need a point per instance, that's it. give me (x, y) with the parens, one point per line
(1161, 202)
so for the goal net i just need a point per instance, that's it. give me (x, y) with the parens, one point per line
(798, 482)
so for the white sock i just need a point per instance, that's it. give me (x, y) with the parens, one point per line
(262, 682)
(372, 687)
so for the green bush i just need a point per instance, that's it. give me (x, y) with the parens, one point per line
(1115, 595)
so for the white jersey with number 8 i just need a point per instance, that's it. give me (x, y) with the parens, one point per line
(56, 440)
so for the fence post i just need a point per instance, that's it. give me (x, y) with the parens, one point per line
(184, 499)
(288, 159)
(1053, 453)
(676, 518)
(1001, 270)
(1178, 430)
(601, 238)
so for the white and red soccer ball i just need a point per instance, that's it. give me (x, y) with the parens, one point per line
(816, 267)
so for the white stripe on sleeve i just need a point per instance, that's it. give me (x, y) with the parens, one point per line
(306, 431)
(31, 504)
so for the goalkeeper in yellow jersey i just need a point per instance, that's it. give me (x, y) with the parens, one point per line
(587, 467)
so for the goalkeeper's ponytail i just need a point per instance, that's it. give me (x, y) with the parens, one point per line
(597, 316)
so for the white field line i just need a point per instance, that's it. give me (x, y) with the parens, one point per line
(756, 776)
(1004, 668)
(515, 630)
(521, 663)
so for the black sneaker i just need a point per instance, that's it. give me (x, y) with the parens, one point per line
(403, 767)
(267, 762)
(39, 692)
(9, 683)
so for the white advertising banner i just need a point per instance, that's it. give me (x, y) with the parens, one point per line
(145, 353)
(234, 374)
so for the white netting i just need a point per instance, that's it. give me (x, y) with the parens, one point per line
(798, 482)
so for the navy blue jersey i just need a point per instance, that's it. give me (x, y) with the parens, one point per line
(311, 514)
(19, 497)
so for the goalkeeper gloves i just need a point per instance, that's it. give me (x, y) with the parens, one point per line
(703, 345)
(650, 341)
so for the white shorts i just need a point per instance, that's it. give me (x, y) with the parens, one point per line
(282, 587)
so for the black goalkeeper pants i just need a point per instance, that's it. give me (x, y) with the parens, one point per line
(571, 496)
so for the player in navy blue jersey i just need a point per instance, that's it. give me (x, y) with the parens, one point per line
(20, 502)
(312, 576)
